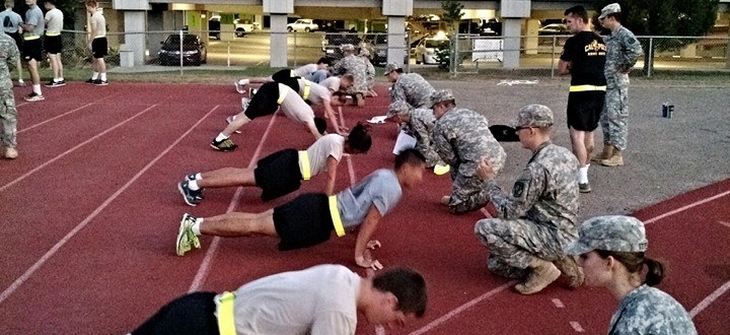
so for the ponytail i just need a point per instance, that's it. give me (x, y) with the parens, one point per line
(654, 273)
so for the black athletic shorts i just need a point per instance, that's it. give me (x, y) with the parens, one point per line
(304, 221)
(278, 174)
(285, 77)
(264, 102)
(18, 39)
(53, 44)
(584, 109)
(192, 313)
(33, 49)
(99, 47)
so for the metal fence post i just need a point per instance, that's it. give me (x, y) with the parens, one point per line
(181, 52)
(552, 57)
(452, 56)
(228, 54)
(650, 59)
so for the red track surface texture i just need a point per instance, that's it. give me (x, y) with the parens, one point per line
(90, 212)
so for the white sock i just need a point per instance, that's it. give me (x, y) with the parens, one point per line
(198, 176)
(583, 175)
(196, 226)
(243, 82)
(103, 76)
(221, 137)
(193, 185)
(95, 76)
(60, 79)
(37, 89)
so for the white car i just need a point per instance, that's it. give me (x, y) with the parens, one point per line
(426, 50)
(306, 25)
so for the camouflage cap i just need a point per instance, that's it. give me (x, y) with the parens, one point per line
(441, 95)
(609, 9)
(347, 47)
(398, 107)
(390, 68)
(611, 233)
(534, 116)
(364, 52)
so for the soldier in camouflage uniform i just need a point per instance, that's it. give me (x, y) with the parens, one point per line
(370, 77)
(9, 56)
(418, 122)
(462, 139)
(611, 250)
(351, 64)
(409, 87)
(539, 219)
(623, 50)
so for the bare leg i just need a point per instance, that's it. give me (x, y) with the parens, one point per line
(237, 224)
(56, 65)
(578, 142)
(238, 122)
(100, 65)
(33, 69)
(589, 145)
(226, 177)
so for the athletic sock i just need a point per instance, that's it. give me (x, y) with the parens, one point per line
(221, 137)
(95, 76)
(196, 226)
(103, 76)
(193, 185)
(198, 176)
(583, 175)
(37, 89)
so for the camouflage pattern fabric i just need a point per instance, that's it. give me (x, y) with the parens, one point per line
(353, 65)
(421, 127)
(9, 56)
(647, 310)
(461, 137)
(413, 89)
(539, 218)
(611, 233)
(623, 50)
(369, 73)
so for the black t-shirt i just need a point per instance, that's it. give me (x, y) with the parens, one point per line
(587, 53)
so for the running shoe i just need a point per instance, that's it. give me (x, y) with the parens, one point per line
(186, 239)
(191, 197)
(224, 145)
(240, 85)
(34, 97)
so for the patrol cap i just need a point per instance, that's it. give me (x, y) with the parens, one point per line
(364, 52)
(441, 96)
(609, 9)
(611, 233)
(398, 107)
(391, 67)
(534, 116)
(347, 47)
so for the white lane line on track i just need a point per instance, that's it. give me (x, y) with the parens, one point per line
(709, 299)
(682, 209)
(557, 303)
(108, 130)
(576, 326)
(724, 223)
(204, 268)
(14, 286)
(67, 113)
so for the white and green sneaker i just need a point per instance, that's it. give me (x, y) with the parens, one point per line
(186, 239)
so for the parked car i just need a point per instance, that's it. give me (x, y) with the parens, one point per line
(332, 41)
(242, 28)
(426, 50)
(306, 25)
(553, 29)
(193, 50)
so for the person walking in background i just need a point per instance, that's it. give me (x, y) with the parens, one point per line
(611, 250)
(583, 58)
(9, 56)
(623, 50)
(97, 43)
(11, 25)
(539, 218)
(33, 29)
(54, 43)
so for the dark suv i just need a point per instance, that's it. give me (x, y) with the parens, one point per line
(377, 44)
(332, 41)
(193, 50)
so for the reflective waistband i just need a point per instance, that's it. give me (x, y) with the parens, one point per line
(30, 38)
(584, 88)
(282, 95)
(306, 168)
(226, 324)
(53, 33)
(336, 220)
(307, 89)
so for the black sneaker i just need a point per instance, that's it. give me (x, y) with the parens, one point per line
(190, 178)
(225, 145)
(56, 83)
(191, 197)
(90, 80)
(34, 97)
(100, 82)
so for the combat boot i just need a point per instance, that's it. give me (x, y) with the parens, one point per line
(615, 160)
(541, 275)
(569, 267)
(606, 154)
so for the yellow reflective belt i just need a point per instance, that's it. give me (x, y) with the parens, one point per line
(282, 95)
(226, 325)
(304, 161)
(53, 33)
(307, 88)
(584, 88)
(100, 36)
(30, 38)
(336, 220)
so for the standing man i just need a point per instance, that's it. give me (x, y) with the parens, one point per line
(462, 138)
(324, 299)
(33, 29)
(9, 56)
(539, 219)
(54, 43)
(623, 50)
(11, 25)
(97, 43)
(409, 87)
(584, 56)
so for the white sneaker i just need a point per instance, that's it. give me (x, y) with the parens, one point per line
(244, 103)
(11, 153)
(240, 84)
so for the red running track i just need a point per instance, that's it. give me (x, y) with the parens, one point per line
(90, 212)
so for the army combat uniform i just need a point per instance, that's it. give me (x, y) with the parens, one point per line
(356, 67)
(638, 311)
(413, 89)
(420, 125)
(9, 56)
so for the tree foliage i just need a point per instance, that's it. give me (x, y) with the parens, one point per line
(452, 13)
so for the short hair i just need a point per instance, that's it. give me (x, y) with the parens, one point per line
(577, 11)
(359, 138)
(324, 60)
(9, 3)
(91, 3)
(408, 286)
(349, 77)
(410, 157)
(321, 124)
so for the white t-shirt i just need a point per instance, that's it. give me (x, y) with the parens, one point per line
(321, 300)
(326, 146)
(319, 95)
(54, 22)
(294, 107)
(305, 70)
(332, 83)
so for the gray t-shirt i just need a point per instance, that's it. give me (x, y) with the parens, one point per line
(381, 188)
(13, 21)
(34, 16)
(326, 146)
(318, 300)
(305, 70)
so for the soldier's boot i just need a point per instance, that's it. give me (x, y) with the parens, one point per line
(569, 267)
(606, 154)
(360, 99)
(615, 160)
(541, 275)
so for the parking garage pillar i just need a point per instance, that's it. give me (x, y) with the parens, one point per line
(278, 11)
(135, 21)
(513, 12)
(396, 11)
